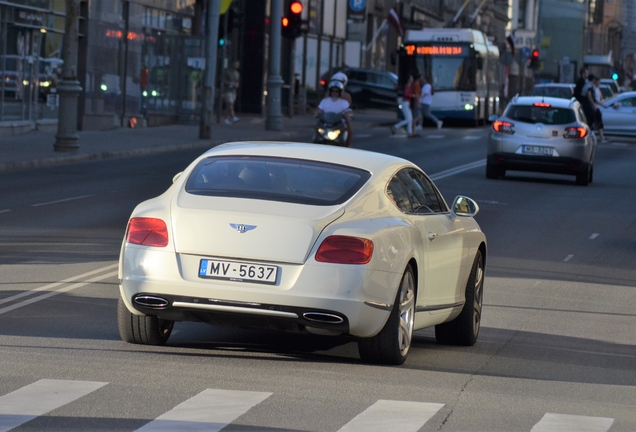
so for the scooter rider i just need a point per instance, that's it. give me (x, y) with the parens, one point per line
(337, 105)
(334, 102)
(342, 77)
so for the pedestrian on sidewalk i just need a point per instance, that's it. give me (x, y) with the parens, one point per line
(406, 109)
(426, 99)
(598, 115)
(231, 81)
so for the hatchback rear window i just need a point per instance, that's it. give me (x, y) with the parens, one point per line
(559, 92)
(541, 114)
(276, 179)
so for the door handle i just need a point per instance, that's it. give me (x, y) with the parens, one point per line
(432, 236)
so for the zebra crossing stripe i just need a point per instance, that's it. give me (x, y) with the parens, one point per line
(40, 397)
(210, 411)
(387, 416)
(572, 423)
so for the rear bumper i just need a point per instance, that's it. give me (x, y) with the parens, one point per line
(545, 164)
(339, 298)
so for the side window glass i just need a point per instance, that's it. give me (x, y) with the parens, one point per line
(630, 102)
(414, 191)
(433, 200)
(396, 192)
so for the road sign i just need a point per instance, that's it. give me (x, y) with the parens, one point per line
(525, 52)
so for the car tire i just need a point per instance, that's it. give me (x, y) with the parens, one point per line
(464, 329)
(493, 172)
(392, 344)
(142, 329)
(585, 176)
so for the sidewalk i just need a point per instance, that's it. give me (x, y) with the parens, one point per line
(35, 149)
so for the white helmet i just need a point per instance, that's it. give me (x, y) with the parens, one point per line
(340, 76)
(337, 85)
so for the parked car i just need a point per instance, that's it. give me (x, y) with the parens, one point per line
(543, 134)
(563, 91)
(620, 115)
(304, 238)
(612, 83)
(606, 91)
(368, 87)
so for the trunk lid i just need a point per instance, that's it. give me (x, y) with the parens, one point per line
(248, 229)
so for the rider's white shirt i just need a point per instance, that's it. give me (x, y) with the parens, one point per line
(333, 105)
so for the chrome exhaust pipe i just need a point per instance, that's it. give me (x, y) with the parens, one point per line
(323, 318)
(151, 301)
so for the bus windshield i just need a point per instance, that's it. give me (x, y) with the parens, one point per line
(449, 72)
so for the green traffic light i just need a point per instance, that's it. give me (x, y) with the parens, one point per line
(221, 42)
(615, 76)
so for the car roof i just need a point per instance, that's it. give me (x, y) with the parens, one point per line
(530, 100)
(363, 159)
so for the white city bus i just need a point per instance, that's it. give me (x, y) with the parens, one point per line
(462, 66)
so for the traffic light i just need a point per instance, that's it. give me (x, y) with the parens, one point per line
(292, 23)
(534, 59)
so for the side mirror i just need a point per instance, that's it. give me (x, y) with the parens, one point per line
(176, 176)
(464, 207)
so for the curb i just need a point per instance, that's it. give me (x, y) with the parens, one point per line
(62, 160)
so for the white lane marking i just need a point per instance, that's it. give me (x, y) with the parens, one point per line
(210, 411)
(457, 170)
(568, 258)
(57, 284)
(388, 415)
(62, 200)
(56, 292)
(398, 135)
(619, 144)
(472, 137)
(5, 211)
(36, 399)
(593, 236)
(572, 423)
(435, 136)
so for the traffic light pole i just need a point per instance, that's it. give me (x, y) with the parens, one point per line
(273, 120)
(209, 82)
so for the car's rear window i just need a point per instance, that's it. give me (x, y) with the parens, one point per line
(559, 92)
(276, 179)
(548, 115)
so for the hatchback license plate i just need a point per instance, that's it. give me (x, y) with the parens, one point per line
(238, 271)
(538, 150)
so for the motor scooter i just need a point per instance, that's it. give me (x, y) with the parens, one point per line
(331, 129)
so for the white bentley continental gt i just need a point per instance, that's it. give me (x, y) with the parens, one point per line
(304, 238)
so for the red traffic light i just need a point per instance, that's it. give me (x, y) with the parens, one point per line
(296, 7)
(535, 53)
(285, 21)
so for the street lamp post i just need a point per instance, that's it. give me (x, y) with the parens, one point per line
(69, 87)
(274, 80)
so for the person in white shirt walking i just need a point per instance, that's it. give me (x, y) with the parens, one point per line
(426, 99)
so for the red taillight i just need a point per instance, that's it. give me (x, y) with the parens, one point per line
(575, 132)
(503, 127)
(542, 104)
(147, 232)
(345, 250)
(323, 82)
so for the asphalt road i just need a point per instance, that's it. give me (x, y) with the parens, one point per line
(556, 352)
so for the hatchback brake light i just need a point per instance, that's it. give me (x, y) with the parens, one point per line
(345, 250)
(542, 104)
(575, 132)
(503, 127)
(147, 232)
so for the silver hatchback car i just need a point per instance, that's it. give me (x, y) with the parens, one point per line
(543, 134)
